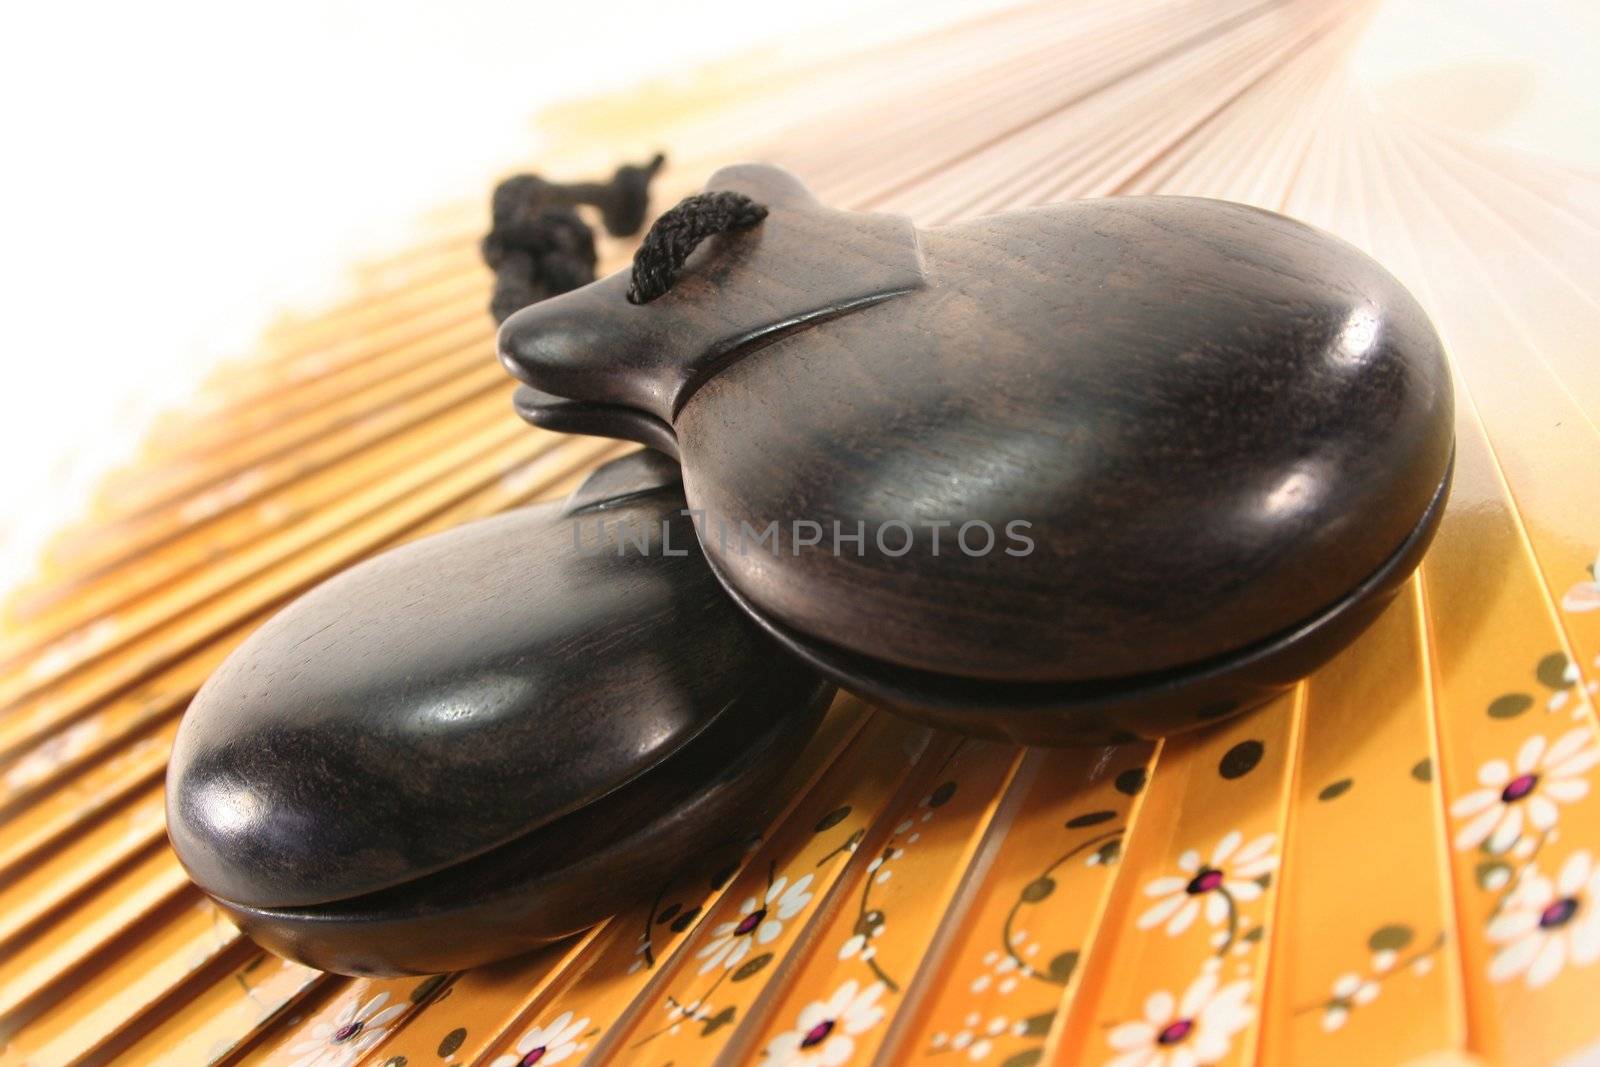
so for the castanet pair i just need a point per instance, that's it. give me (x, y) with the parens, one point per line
(1076, 474)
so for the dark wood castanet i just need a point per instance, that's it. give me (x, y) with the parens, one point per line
(525, 710)
(1117, 466)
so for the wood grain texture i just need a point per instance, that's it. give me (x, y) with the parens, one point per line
(1106, 395)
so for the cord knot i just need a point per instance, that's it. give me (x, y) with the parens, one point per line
(539, 247)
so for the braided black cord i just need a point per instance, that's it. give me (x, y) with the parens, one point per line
(679, 231)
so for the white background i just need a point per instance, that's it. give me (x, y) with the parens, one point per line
(177, 172)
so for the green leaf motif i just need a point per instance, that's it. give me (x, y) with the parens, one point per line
(1393, 938)
(1510, 705)
(452, 1041)
(1493, 875)
(1552, 671)
(1108, 852)
(752, 967)
(1062, 966)
(1334, 790)
(718, 1021)
(833, 818)
(1025, 1058)
(1037, 890)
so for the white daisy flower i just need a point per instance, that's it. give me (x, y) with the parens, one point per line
(355, 1029)
(1545, 775)
(1584, 596)
(548, 1044)
(760, 920)
(1547, 923)
(1195, 1031)
(1232, 869)
(825, 1029)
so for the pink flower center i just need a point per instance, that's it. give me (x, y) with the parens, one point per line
(1519, 787)
(1558, 912)
(1204, 882)
(346, 1032)
(1175, 1031)
(817, 1034)
(532, 1058)
(750, 922)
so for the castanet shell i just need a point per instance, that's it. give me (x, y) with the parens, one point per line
(1193, 446)
(511, 718)
(691, 812)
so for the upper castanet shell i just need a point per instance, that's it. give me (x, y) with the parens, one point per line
(1196, 425)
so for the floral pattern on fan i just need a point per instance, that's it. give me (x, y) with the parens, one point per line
(1543, 919)
(825, 1030)
(760, 921)
(1006, 987)
(1195, 1028)
(1216, 888)
(558, 1040)
(343, 1040)
(1522, 799)
(1393, 954)
(871, 920)
(1548, 922)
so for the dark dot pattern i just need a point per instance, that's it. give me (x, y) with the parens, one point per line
(452, 1041)
(1039, 1025)
(1510, 705)
(833, 818)
(1552, 671)
(1092, 818)
(1334, 790)
(1038, 889)
(1241, 759)
(1129, 782)
(1392, 938)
